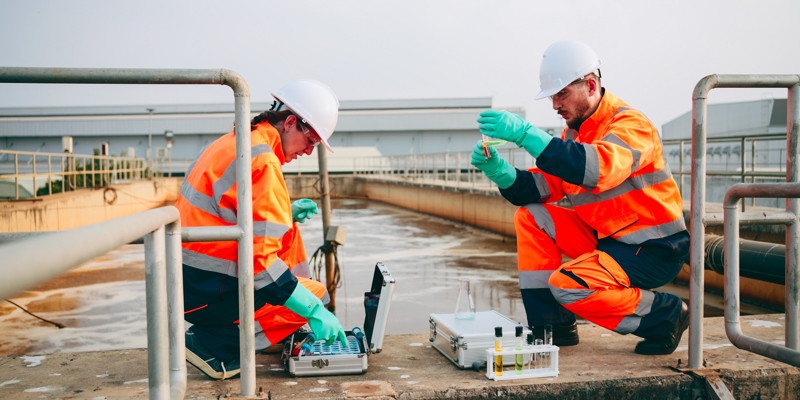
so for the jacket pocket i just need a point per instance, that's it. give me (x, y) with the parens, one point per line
(613, 225)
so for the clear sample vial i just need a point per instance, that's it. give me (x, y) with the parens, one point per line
(465, 305)
(498, 346)
(537, 363)
(518, 362)
(529, 355)
(547, 335)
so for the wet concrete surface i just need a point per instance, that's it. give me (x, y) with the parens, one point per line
(603, 365)
(101, 302)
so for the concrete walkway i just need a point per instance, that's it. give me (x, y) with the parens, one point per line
(602, 366)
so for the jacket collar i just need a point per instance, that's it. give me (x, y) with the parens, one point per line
(266, 133)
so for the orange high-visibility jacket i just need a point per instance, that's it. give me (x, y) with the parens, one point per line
(208, 198)
(613, 173)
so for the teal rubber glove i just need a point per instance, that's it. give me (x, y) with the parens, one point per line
(303, 209)
(324, 324)
(495, 168)
(507, 126)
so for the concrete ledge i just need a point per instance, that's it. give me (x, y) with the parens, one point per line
(603, 365)
(86, 206)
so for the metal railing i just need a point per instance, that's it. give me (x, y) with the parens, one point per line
(454, 170)
(62, 172)
(158, 357)
(166, 358)
(442, 170)
(699, 221)
(770, 167)
(733, 329)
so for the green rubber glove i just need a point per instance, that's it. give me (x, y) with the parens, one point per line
(507, 126)
(324, 324)
(303, 209)
(495, 168)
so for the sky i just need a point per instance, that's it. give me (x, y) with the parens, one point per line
(655, 52)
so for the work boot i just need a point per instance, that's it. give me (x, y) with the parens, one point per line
(199, 356)
(565, 334)
(665, 344)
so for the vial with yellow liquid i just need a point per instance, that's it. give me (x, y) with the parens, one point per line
(498, 346)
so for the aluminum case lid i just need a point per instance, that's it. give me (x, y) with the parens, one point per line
(481, 326)
(383, 286)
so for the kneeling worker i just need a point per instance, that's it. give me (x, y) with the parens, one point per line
(304, 115)
(625, 233)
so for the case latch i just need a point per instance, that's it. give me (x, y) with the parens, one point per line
(432, 329)
(319, 363)
(454, 343)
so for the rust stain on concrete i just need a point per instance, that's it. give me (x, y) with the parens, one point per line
(368, 389)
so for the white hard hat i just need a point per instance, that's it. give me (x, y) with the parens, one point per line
(314, 103)
(564, 62)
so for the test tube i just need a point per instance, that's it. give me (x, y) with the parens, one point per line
(548, 340)
(498, 346)
(547, 335)
(530, 355)
(538, 356)
(518, 346)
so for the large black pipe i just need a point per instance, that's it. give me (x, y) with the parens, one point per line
(757, 260)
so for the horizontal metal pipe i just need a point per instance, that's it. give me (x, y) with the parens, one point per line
(769, 190)
(110, 75)
(68, 249)
(742, 81)
(757, 260)
(230, 233)
(753, 218)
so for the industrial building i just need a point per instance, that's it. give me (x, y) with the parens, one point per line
(393, 127)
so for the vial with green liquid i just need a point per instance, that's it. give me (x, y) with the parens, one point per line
(489, 142)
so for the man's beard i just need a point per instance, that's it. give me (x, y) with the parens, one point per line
(580, 110)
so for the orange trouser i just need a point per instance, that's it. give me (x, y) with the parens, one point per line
(217, 324)
(597, 284)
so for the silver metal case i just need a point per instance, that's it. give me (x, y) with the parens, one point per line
(372, 341)
(464, 342)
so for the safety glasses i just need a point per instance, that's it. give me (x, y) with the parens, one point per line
(313, 140)
(564, 93)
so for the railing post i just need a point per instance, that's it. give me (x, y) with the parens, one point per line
(33, 157)
(680, 174)
(458, 170)
(792, 231)
(157, 322)
(742, 163)
(696, 225)
(177, 340)
(16, 176)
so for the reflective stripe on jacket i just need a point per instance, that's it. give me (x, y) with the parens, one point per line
(208, 198)
(612, 172)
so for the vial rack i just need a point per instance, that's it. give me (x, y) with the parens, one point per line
(528, 369)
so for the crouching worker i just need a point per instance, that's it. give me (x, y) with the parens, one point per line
(304, 115)
(625, 232)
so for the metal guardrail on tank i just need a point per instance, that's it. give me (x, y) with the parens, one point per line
(732, 217)
(166, 369)
(64, 172)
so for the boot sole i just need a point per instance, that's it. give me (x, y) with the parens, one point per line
(206, 369)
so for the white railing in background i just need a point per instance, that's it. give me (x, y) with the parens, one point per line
(62, 172)
(449, 169)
